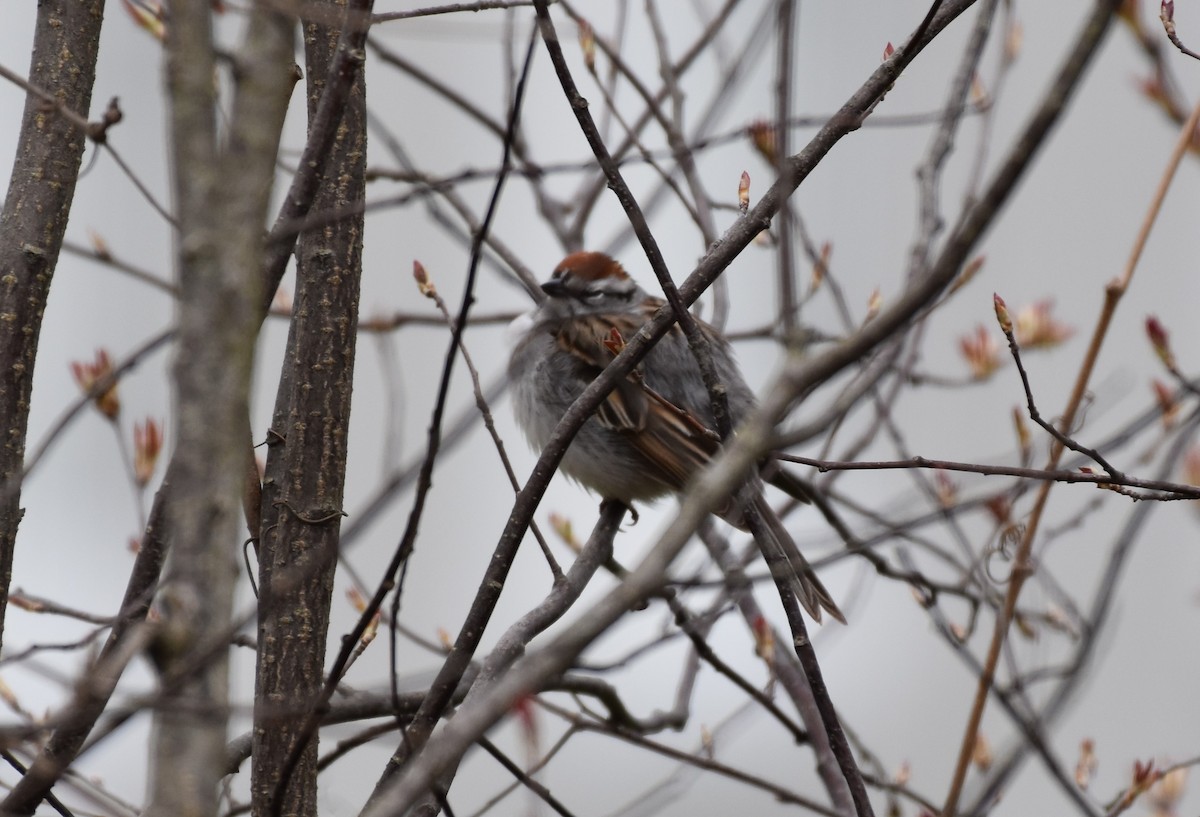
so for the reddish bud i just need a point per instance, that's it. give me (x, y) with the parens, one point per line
(1024, 440)
(422, 278)
(1037, 328)
(587, 43)
(762, 136)
(1057, 617)
(1013, 40)
(874, 304)
(888, 51)
(969, 270)
(981, 755)
(821, 268)
(1006, 324)
(979, 94)
(99, 246)
(90, 375)
(1085, 766)
(371, 630)
(526, 715)
(1191, 466)
(947, 489)
(1144, 776)
(981, 352)
(148, 14)
(1152, 88)
(17, 600)
(1168, 401)
(562, 526)
(764, 640)
(1000, 507)
(744, 193)
(147, 444)
(1160, 339)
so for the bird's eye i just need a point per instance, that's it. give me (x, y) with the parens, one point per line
(593, 296)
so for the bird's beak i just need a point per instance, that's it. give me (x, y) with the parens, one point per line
(554, 288)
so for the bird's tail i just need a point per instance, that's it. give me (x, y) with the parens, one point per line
(784, 558)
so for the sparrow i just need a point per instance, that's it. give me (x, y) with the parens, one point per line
(656, 428)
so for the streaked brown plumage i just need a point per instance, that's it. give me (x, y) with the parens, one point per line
(655, 429)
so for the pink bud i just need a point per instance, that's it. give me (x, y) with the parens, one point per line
(1002, 314)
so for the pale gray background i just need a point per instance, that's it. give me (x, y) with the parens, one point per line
(1067, 233)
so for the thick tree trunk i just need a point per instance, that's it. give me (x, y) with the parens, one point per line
(306, 466)
(222, 189)
(40, 192)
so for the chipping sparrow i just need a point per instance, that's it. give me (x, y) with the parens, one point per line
(654, 430)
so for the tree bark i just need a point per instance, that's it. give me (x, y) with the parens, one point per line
(306, 463)
(32, 226)
(221, 192)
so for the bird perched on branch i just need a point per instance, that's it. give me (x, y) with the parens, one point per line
(655, 430)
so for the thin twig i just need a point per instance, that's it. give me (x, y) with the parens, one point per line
(1167, 15)
(1169, 490)
(1061, 437)
(708, 764)
(430, 291)
(108, 260)
(524, 779)
(449, 8)
(54, 802)
(785, 262)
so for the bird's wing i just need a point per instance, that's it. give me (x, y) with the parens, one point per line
(673, 441)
